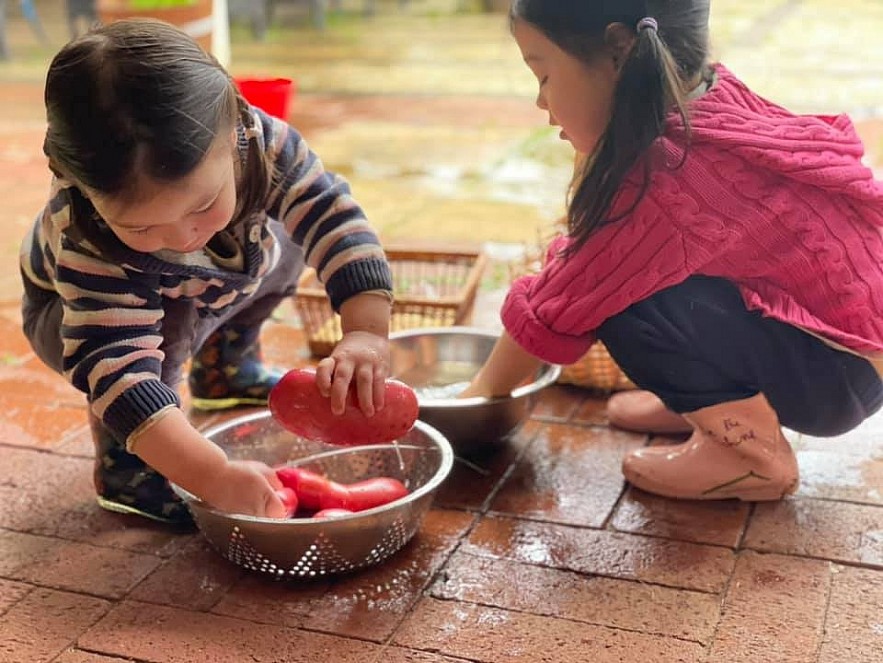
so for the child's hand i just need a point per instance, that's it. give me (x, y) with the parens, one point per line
(474, 390)
(362, 357)
(246, 487)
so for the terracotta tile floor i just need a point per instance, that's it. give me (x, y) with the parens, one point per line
(542, 555)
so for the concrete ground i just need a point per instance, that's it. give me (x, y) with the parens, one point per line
(538, 552)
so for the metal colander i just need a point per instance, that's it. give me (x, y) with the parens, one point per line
(308, 548)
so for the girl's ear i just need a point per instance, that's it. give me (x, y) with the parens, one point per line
(619, 40)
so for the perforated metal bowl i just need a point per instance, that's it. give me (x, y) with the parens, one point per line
(307, 548)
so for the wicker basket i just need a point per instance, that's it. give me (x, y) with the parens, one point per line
(431, 289)
(594, 370)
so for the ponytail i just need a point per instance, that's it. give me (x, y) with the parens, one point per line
(649, 87)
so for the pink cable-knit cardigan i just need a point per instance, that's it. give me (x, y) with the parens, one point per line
(779, 204)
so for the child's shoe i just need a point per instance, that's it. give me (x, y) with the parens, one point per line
(737, 450)
(227, 371)
(643, 412)
(125, 484)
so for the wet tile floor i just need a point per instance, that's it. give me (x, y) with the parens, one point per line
(535, 552)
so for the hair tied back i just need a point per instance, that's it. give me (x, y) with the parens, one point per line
(647, 23)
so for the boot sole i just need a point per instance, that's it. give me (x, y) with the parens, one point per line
(769, 492)
(116, 507)
(761, 493)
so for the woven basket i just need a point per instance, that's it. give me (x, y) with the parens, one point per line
(431, 289)
(594, 370)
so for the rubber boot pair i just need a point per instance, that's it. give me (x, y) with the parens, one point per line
(228, 372)
(125, 484)
(736, 450)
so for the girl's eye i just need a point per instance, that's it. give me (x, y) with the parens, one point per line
(543, 80)
(139, 231)
(206, 208)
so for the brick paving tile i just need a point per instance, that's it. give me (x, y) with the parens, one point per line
(11, 592)
(45, 623)
(632, 606)
(672, 563)
(72, 566)
(492, 635)
(15, 349)
(853, 477)
(838, 531)
(476, 476)
(559, 403)
(371, 605)
(718, 522)
(196, 578)
(171, 635)
(568, 475)
(36, 487)
(44, 427)
(80, 656)
(774, 610)
(854, 623)
(593, 411)
(265, 600)
(53, 495)
(403, 655)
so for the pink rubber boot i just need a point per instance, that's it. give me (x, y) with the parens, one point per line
(643, 412)
(737, 450)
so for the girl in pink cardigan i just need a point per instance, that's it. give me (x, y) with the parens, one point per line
(727, 252)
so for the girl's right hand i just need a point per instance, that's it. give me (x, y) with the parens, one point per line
(474, 390)
(246, 487)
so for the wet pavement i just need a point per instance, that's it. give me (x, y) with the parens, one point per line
(537, 552)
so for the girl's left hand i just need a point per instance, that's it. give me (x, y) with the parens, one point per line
(361, 357)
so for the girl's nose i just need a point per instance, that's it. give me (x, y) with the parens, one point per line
(541, 102)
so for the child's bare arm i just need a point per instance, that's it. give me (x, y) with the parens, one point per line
(173, 447)
(508, 365)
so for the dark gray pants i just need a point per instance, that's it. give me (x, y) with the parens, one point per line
(183, 330)
(695, 345)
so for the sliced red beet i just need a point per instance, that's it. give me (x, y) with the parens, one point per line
(314, 491)
(299, 407)
(367, 494)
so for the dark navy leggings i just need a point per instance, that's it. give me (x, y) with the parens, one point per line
(695, 345)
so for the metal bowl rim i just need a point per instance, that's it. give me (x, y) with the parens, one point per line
(551, 372)
(445, 466)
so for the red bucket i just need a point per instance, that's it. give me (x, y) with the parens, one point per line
(271, 95)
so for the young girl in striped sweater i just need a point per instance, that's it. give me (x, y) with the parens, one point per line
(179, 218)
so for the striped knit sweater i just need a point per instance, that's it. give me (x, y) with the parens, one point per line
(112, 296)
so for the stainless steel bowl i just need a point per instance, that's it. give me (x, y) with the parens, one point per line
(304, 547)
(438, 362)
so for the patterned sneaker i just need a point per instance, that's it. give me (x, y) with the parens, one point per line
(125, 484)
(227, 371)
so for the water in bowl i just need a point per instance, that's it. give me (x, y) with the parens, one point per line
(442, 391)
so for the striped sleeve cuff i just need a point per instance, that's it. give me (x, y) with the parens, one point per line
(138, 404)
(358, 277)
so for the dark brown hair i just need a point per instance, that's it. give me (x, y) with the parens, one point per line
(651, 85)
(141, 97)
